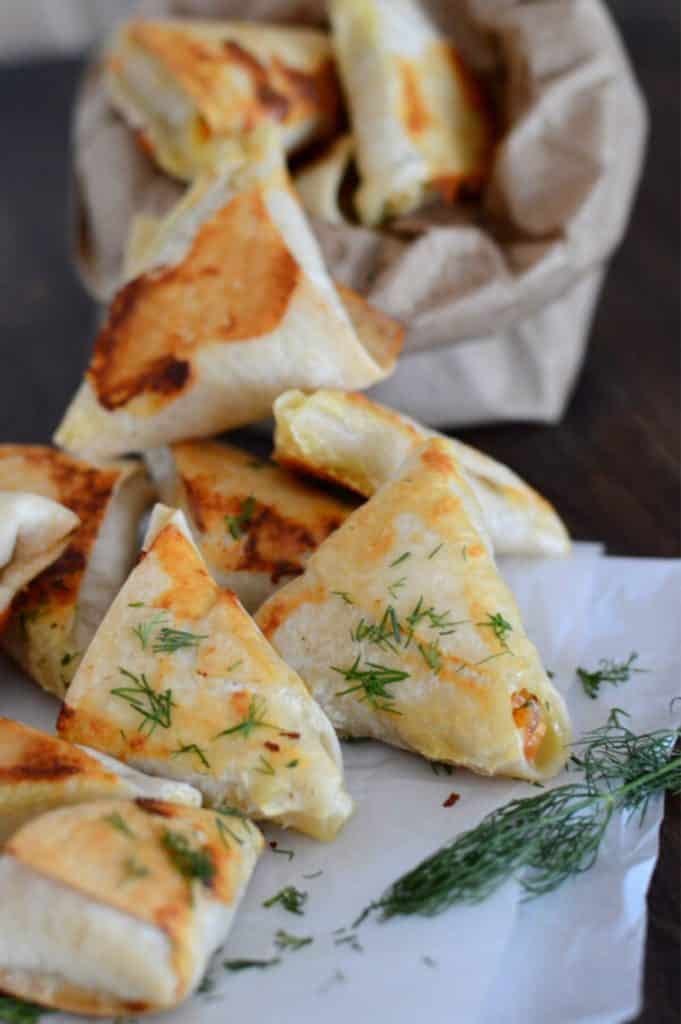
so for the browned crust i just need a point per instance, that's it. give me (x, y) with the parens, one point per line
(84, 489)
(381, 335)
(234, 284)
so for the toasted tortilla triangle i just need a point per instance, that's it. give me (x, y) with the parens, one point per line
(420, 122)
(39, 772)
(255, 523)
(180, 682)
(116, 908)
(346, 438)
(33, 533)
(184, 86)
(417, 639)
(233, 306)
(53, 619)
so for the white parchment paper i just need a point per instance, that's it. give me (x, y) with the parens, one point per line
(574, 956)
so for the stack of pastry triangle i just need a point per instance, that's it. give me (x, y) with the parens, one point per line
(417, 639)
(180, 682)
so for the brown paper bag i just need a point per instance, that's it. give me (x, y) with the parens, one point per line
(497, 298)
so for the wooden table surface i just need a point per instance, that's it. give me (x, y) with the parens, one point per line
(611, 466)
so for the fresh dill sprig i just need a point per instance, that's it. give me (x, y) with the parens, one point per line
(386, 634)
(245, 965)
(155, 708)
(224, 829)
(284, 940)
(254, 720)
(438, 621)
(117, 821)
(608, 671)
(226, 833)
(499, 626)
(143, 630)
(264, 766)
(438, 767)
(192, 748)
(432, 655)
(133, 869)
(283, 853)
(395, 587)
(372, 681)
(290, 898)
(344, 596)
(191, 863)
(545, 839)
(238, 524)
(233, 812)
(400, 559)
(170, 640)
(435, 550)
(17, 1011)
(350, 940)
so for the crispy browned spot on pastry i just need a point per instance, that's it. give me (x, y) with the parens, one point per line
(234, 284)
(192, 592)
(42, 761)
(269, 543)
(84, 489)
(527, 715)
(414, 108)
(380, 334)
(160, 808)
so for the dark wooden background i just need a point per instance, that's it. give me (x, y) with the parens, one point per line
(611, 466)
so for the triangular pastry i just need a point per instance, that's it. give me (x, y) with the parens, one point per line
(255, 523)
(116, 908)
(54, 618)
(33, 533)
(39, 772)
(180, 682)
(345, 437)
(231, 306)
(404, 631)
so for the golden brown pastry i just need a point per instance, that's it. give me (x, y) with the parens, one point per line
(345, 437)
(231, 307)
(421, 127)
(187, 86)
(404, 631)
(39, 772)
(33, 533)
(54, 618)
(116, 908)
(255, 523)
(180, 682)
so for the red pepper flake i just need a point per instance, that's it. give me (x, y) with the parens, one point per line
(291, 735)
(272, 746)
(451, 800)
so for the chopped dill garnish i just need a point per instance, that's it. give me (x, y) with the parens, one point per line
(192, 748)
(155, 708)
(344, 596)
(464, 552)
(543, 840)
(439, 621)
(18, 1011)
(395, 587)
(133, 869)
(69, 657)
(225, 831)
(499, 626)
(428, 961)
(284, 940)
(386, 634)
(315, 874)
(282, 853)
(191, 863)
(136, 604)
(238, 524)
(170, 640)
(235, 664)
(118, 822)
(608, 671)
(402, 558)
(550, 674)
(435, 550)
(233, 812)
(350, 940)
(290, 898)
(294, 763)
(245, 965)
(264, 766)
(372, 681)
(143, 630)
(253, 720)
(439, 767)
(432, 655)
